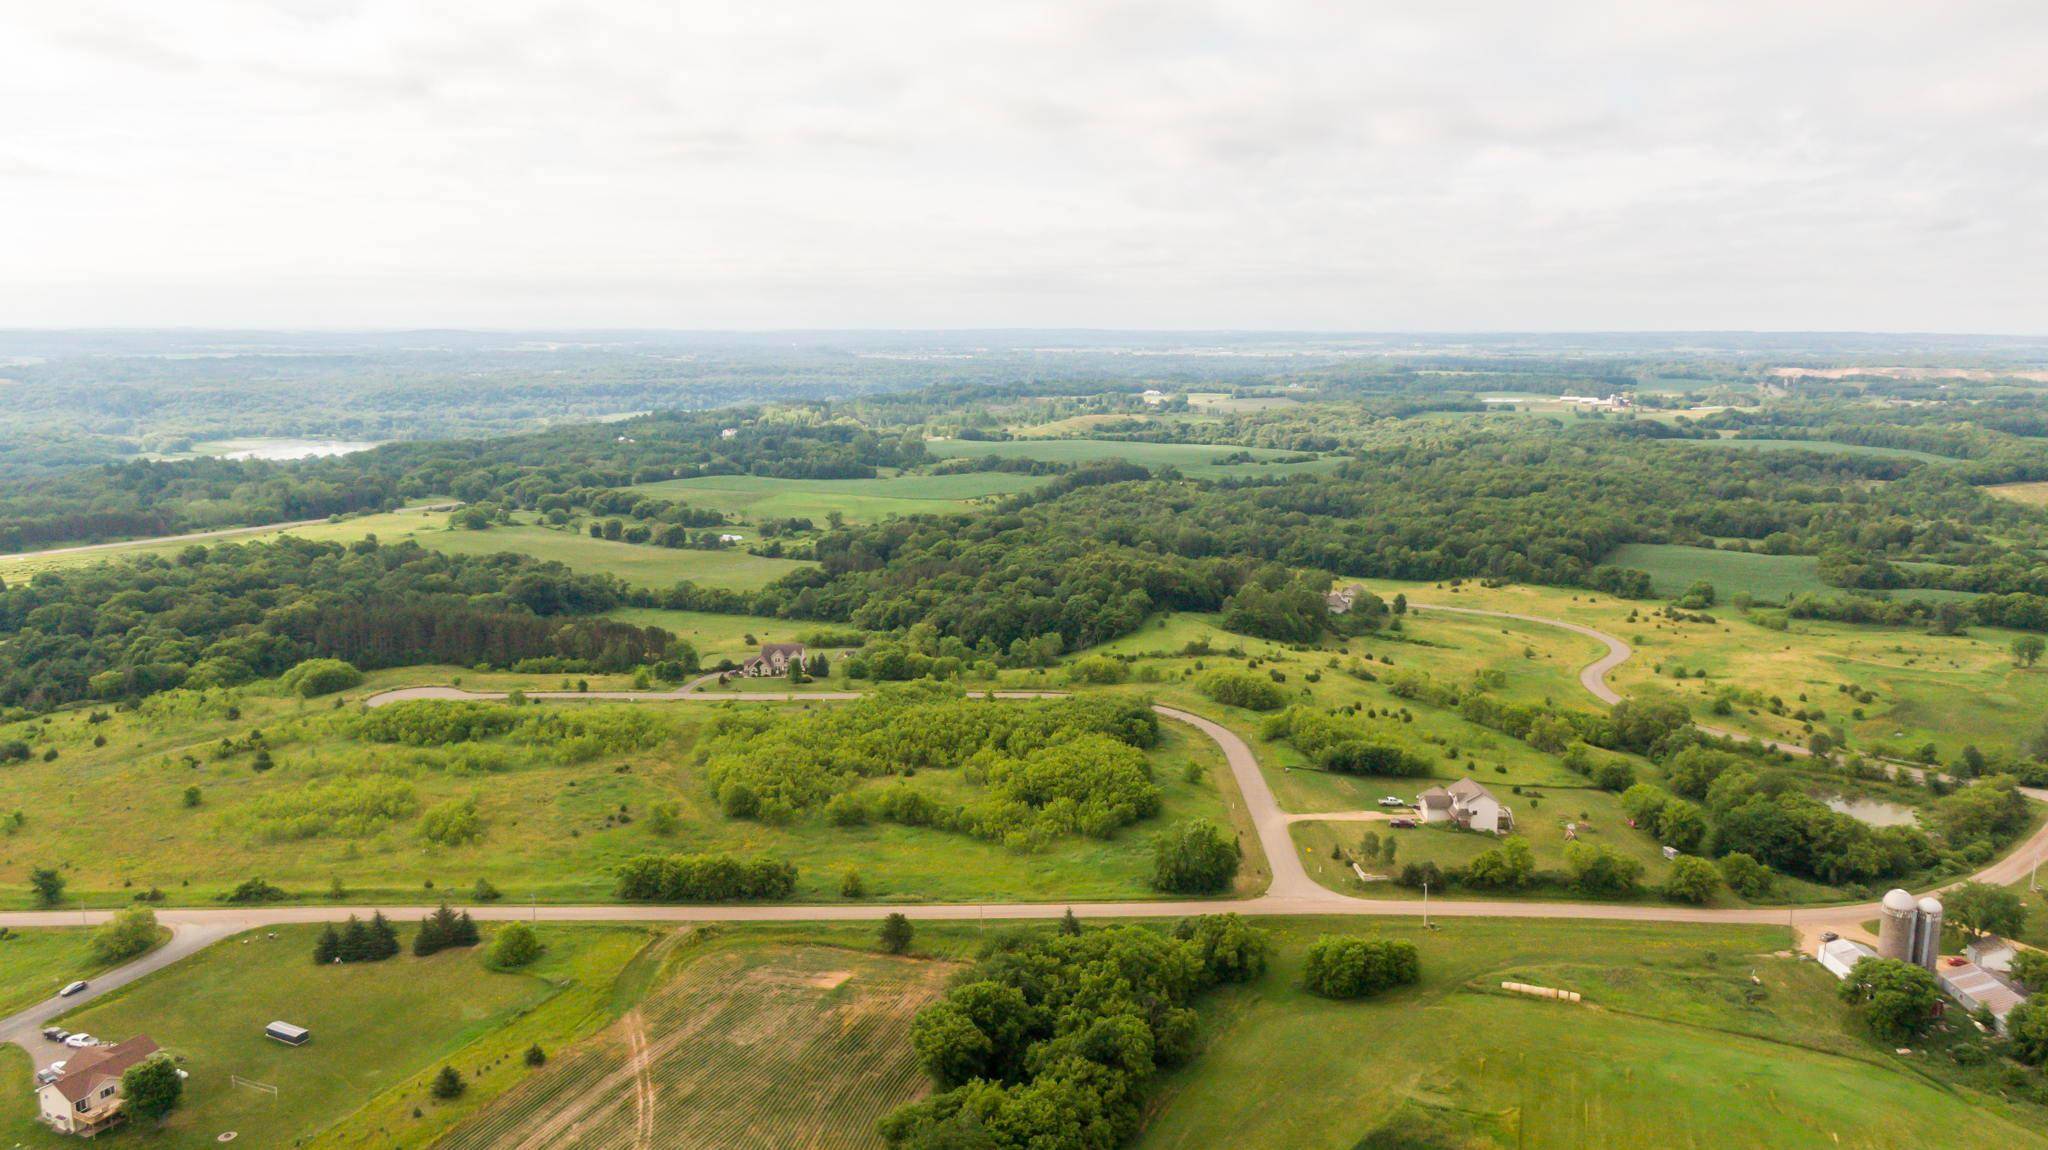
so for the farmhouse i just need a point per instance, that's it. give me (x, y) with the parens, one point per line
(774, 659)
(86, 1098)
(1342, 599)
(1468, 804)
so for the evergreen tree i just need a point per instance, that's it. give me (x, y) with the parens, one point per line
(383, 938)
(1069, 925)
(328, 948)
(432, 936)
(463, 932)
(449, 1084)
(896, 933)
(355, 941)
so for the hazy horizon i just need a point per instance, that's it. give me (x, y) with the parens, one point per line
(1286, 167)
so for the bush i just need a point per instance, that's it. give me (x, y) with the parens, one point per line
(704, 878)
(1691, 880)
(2027, 1027)
(1230, 949)
(127, 934)
(255, 890)
(515, 945)
(316, 677)
(1242, 689)
(1599, 869)
(1196, 857)
(1340, 967)
(453, 823)
(896, 933)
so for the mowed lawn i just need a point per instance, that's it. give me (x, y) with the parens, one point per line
(1771, 578)
(751, 1044)
(377, 1027)
(35, 964)
(859, 500)
(639, 565)
(1674, 1047)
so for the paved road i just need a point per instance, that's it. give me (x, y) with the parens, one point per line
(193, 536)
(1292, 891)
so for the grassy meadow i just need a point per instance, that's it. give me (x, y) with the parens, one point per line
(380, 1030)
(638, 565)
(755, 497)
(116, 821)
(35, 964)
(1674, 1046)
(389, 526)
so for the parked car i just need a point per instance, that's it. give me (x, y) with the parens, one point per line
(1401, 822)
(50, 1073)
(1828, 936)
(56, 1033)
(81, 1041)
(1391, 801)
(74, 988)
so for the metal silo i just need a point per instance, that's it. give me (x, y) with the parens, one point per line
(1927, 932)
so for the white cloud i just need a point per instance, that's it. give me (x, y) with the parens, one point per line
(1875, 165)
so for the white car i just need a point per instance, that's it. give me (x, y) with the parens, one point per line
(72, 989)
(81, 1041)
(1391, 801)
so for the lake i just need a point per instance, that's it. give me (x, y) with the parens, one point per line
(280, 448)
(1875, 812)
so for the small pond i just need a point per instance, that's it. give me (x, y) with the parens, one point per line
(1876, 812)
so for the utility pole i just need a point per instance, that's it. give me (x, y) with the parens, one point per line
(1425, 904)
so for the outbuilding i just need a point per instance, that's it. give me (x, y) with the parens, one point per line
(1840, 956)
(288, 1034)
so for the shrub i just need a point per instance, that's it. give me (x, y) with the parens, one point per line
(2027, 1026)
(255, 890)
(449, 1084)
(896, 933)
(316, 677)
(515, 945)
(1691, 879)
(127, 934)
(453, 823)
(1230, 949)
(1599, 869)
(1196, 857)
(1242, 689)
(1340, 967)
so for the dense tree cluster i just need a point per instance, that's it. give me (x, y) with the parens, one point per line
(1339, 966)
(1049, 768)
(357, 941)
(704, 878)
(1049, 1042)
(218, 616)
(1344, 743)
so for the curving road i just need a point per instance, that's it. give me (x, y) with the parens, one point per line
(1292, 891)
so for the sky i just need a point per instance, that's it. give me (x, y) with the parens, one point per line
(1432, 166)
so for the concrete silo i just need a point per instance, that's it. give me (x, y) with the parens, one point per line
(1896, 919)
(1927, 932)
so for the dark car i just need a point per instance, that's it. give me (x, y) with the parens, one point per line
(1401, 822)
(56, 1033)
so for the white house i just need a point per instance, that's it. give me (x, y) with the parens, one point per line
(774, 659)
(1342, 599)
(1467, 804)
(1153, 396)
(1840, 956)
(86, 1098)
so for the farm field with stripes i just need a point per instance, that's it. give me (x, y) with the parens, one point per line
(746, 1046)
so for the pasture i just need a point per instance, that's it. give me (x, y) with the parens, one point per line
(639, 565)
(35, 964)
(859, 500)
(1675, 1046)
(1768, 578)
(748, 1045)
(379, 1029)
(2024, 494)
(387, 526)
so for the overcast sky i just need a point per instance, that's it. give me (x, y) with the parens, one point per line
(1874, 165)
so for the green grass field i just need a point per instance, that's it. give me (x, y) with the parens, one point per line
(388, 527)
(35, 964)
(1673, 1047)
(379, 1029)
(718, 636)
(114, 819)
(1771, 578)
(642, 566)
(859, 500)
